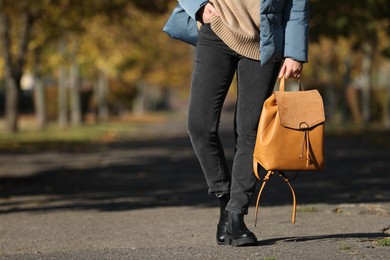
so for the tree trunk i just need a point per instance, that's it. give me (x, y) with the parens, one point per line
(366, 70)
(351, 94)
(384, 83)
(40, 104)
(140, 99)
(11, 104)
(75, 101)
(11, 86)
(386, 111)
(62, 90)
(39, 92)
(13, 68)
(101, 96)
(62, 98)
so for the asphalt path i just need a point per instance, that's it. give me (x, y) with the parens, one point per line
(143, 196)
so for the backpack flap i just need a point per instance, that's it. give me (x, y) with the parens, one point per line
(302, 112)
(300, 109)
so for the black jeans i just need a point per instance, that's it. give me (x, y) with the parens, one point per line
(214, 68)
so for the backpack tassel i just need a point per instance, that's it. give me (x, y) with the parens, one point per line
(306, 144)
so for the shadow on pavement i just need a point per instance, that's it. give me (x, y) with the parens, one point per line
(127, 175)
(362, 236)
(121, 176)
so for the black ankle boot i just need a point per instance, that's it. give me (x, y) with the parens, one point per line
(237, 233)
(223, 220)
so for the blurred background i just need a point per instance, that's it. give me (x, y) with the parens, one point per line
(93, 101)
(68, 63)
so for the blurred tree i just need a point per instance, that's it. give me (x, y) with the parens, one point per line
(355, 19)
(107, 41)
(131, 48)
(152, 6)
(39, 90)
(16, 20)
(361, 22)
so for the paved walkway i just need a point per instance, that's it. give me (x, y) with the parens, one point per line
(145, 198)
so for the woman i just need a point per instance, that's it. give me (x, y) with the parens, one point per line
(258, 40)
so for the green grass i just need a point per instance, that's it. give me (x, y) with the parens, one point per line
(55, 133)
(29, 138)
(52, 134)
(384, 241)
(53, 137)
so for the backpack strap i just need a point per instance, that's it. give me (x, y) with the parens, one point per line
(294, 209)
(265, 179)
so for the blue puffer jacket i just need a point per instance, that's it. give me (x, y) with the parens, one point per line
(284, 28)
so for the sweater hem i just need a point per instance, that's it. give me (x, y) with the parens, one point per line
(242, 44)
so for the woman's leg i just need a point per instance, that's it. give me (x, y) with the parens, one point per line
(255, 85)
(214, 68)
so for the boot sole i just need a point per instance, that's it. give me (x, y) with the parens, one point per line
(220, 243)
(246, 241)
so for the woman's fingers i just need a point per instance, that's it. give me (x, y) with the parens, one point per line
(208, 12)
(213, 10)
(291, 69)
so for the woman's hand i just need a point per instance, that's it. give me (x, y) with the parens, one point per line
(208, 12)
(291, 69)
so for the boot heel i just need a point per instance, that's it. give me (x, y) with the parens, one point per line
(228, 240)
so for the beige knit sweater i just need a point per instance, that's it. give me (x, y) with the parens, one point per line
(238, 25)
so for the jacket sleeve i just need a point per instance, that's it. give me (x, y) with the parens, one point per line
(192, 6)
(296, 24)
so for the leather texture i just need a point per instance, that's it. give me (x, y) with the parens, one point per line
(223, 220)
(290, 136)
(265, 179)
(237, 232)
(291, 132)
(299, 107)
